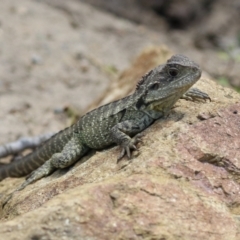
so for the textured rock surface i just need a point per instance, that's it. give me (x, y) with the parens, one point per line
(182, 184)
(184, 181)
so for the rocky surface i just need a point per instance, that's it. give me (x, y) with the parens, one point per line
(182, 183)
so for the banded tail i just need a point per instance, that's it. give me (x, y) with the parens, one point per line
(34, 160)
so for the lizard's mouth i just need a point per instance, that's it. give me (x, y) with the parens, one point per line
(162, 102)
(167, 96)
(187, 81)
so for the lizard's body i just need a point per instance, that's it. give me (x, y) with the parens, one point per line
(115, 122)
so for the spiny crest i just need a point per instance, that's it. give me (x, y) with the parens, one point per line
(142, 80)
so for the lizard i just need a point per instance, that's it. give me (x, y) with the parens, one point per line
(119, 122)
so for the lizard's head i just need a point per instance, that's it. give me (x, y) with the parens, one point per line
(167, 83)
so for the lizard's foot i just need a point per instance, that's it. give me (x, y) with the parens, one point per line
(45, 170)
(131, 145)
(195, 94)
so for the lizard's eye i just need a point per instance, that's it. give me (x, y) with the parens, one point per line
(154, 86)
(173, 72)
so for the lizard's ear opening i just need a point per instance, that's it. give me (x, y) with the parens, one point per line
(139, 103)
(154, 86)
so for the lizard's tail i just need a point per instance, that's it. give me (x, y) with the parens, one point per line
(21, 167)
(34, 160)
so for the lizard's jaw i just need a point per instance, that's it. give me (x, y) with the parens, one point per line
(184, 83)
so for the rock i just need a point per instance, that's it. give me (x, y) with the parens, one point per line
(181, 184)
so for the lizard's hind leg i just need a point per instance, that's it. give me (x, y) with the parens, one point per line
(71, 152)
(44, 170)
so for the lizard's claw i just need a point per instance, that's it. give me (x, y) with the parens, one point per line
(131, 145)
(194, 94)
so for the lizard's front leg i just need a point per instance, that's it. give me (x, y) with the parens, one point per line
(195, 94)
(121, 131)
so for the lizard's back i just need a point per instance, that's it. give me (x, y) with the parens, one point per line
(92, 129)
(95, 127)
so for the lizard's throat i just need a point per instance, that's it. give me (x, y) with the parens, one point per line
(163, 105)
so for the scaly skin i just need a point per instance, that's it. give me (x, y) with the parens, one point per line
(113, 123)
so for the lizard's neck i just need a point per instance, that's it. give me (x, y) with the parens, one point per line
(160, 108)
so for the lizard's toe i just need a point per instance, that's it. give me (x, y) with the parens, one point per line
(126, 151)
(194, 94)
(131, 145)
